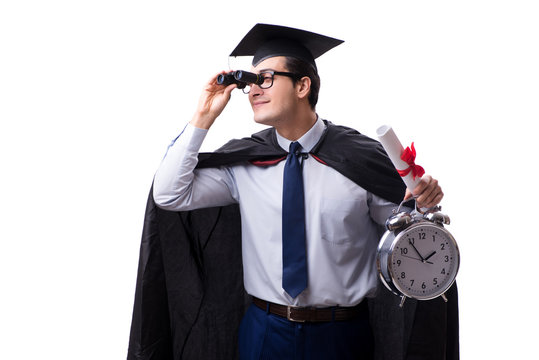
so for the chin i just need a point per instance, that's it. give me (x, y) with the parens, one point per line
(263, 119)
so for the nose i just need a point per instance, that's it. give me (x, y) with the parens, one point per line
(255, 90)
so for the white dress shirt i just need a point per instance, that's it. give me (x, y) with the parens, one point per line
(341, 219)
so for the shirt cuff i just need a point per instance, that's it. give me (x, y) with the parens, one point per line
(194, 136)
(190, 139)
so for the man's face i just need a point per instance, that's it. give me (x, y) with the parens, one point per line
(275, 105)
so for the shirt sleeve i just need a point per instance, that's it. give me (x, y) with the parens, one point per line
(380, 209)
(178, 186)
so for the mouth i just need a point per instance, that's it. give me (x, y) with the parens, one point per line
(259, 103)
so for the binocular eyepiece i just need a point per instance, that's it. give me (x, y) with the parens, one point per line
(240, 77)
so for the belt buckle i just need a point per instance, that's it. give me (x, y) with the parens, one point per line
(289, 314)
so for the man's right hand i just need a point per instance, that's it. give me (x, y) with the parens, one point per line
(211, 103)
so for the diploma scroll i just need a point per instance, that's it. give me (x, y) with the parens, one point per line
(394, 150)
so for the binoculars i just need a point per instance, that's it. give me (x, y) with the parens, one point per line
(241, 78)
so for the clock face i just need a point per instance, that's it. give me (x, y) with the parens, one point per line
(424, 261)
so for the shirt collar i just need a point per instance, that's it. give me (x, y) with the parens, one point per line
(308, 140)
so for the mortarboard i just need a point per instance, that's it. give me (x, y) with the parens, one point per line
(264, 41)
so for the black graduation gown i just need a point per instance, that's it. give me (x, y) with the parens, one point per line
(189, 297)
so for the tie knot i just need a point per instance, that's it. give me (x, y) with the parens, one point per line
(294, 147)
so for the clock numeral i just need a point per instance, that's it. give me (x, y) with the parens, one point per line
(412, 282)
(403, 275)
(435, 281)
(404, 251)
(433, 238)
(423, 286)
(443, 271)
(422, 236)
(399, 262)
(446, 258)
(412, 241)
(442, 245)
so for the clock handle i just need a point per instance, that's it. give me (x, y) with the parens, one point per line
(403, 299)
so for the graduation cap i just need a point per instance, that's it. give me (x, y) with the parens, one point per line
(264, 41)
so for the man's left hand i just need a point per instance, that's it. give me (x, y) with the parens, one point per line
(428, 193)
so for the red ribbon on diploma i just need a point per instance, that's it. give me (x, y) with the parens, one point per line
(408, 156)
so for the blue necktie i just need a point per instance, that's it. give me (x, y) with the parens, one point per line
(294, 254)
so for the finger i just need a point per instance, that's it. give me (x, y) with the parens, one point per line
(422, 185)
(437, 199)
(229, 88)
(408, 194)
(423, 189)
(431, 198)
(427, 194)
(432, 202)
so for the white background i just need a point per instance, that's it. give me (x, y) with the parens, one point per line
(91, 93)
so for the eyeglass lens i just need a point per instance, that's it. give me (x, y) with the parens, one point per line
(268, 82)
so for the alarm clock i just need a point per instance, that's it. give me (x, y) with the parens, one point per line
(417, 257)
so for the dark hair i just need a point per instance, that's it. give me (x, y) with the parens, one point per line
(303, 68)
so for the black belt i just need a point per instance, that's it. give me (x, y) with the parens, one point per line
(312, 314)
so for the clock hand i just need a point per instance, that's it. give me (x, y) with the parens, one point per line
(428, 257)
(411, 243)
(411, 257)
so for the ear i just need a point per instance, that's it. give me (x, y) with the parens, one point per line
(303, 87)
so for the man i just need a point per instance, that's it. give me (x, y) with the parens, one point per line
(309, 223)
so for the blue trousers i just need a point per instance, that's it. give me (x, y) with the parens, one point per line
(267, 336)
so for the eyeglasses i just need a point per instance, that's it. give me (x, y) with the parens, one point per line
(265, 80)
